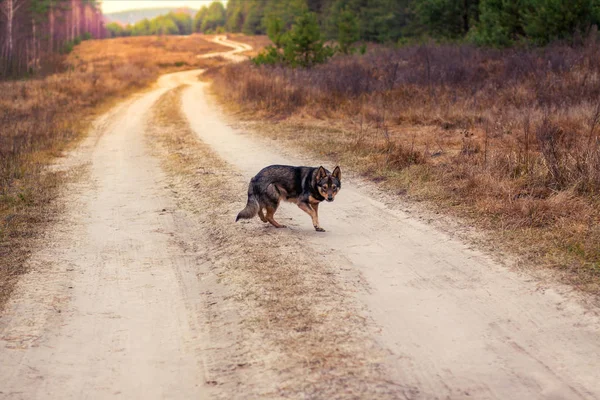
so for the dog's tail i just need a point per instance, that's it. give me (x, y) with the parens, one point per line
(252, 206)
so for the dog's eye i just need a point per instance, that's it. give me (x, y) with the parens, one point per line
(334, 187)
(324, 187)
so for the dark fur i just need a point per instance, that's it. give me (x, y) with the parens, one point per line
(304, 186)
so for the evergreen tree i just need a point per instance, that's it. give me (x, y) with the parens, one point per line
(183, 21)
(215, 17)
(348, 31)
(287, 11)
(378, 20)
(500, 22)
(253, 22)
(548, 20)
(445, 18)
(302, 46)
(199, 18)
(234, 16)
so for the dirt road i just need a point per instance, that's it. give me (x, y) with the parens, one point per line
(135, 295)
(233, 55)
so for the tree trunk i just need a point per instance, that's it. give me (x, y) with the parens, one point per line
(73, 20)
(466, 16)
(10, 14)
(51, 20)
(84, 13)
(34, 45)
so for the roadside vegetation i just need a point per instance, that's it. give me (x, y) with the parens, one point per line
(506, 137)
(42, 117)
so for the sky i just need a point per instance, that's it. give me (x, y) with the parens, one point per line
(109, 6)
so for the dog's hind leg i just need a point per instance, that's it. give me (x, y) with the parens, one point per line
(270, 214)
(261, 215)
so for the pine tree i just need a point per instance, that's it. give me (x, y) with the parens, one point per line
(500, 23)
(348, 31)
(199, 18)
(304, 46)
(548, 20)
(215, 17)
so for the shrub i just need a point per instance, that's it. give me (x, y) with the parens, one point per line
(67, 47)
(348, 31)
(302, 46)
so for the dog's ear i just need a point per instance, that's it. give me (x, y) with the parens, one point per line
(321, 173)
(337, 173)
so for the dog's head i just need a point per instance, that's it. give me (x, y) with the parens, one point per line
(328, 183)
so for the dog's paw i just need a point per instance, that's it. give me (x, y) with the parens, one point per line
(319, 229)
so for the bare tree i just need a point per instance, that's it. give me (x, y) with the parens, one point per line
(9, 8)
(29, 29)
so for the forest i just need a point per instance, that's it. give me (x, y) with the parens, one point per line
(497, 23)
(32, 29)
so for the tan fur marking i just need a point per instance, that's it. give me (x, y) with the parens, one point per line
(310, 210)
(261, 215)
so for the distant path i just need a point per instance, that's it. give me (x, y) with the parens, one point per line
(233, 55)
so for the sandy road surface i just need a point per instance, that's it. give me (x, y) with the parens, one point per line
(457, 325)
(103, 313)
(233, 55)
(113, 306)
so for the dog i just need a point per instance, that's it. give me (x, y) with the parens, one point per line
(306, 187)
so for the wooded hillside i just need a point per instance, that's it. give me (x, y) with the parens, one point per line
(489, 22)
(498, 23)
(32, 28)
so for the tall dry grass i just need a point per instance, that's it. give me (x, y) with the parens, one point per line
(507, 138)
(40, 118)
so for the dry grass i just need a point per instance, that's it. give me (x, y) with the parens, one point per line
(294, 302)
(166, 53)
(40, 118)
(507, 139)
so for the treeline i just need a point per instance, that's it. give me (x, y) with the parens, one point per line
(484, 22)
(487, 22)
(31, 29)
(173, 23)
(209, 19)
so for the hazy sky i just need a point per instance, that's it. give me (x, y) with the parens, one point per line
(109, 6)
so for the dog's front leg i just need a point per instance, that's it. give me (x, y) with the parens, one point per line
(312, 210)
(315, 206)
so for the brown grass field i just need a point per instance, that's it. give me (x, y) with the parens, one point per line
(506, 139)
(43, 117)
